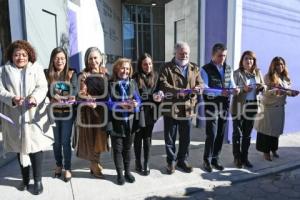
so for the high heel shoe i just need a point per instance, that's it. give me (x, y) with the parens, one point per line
(95, 170)
(68, 176)
(267, 156)
(57, 172)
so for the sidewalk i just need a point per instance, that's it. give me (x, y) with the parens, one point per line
(158, 184)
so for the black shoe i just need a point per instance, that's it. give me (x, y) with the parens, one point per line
(206, 165)
(38, 188)
(23, 186)
(138, 166)
(170, 168)
(216, 165)
(238, 163)
(146, 169)
(120, 180)
(184, 166)
(275, 154)
(129, 177)
(247, 164)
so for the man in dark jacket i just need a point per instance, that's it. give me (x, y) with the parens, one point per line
(219, 84)
(179, 80)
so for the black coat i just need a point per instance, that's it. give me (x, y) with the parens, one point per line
(150, 107)
(117, 125)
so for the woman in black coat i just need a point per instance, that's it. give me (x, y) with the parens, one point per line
(124, 105)
(146, 80)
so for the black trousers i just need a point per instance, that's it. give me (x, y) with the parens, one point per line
(36, 160)
(242, 128)
(216, 120)
(266, 143)
(143, 138)
(171, 126)
(121, 152)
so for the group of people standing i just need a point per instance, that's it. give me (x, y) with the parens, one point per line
(124, 107)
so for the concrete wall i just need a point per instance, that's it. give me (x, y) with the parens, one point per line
(272, 28)
(46, 26)
(185, 13)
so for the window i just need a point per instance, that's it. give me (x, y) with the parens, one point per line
(144, 31)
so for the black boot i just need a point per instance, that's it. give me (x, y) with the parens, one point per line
(25, 171)
(25, 178)
(137, 151)
(36, 161)
(120, 177)
(38, 187)
(129, 177)
(147, 145)
(138, 166)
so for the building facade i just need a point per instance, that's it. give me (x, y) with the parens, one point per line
(128, 28)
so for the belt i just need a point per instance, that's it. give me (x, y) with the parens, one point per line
(61, 110)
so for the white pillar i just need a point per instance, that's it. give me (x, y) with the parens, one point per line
(234, 32)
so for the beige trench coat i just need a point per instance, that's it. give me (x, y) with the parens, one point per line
(271, 117)
(32, 131)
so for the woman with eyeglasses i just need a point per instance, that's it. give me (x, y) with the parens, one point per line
(62, 83)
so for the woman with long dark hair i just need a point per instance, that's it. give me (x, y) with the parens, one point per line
(62, 83)
(146, 80)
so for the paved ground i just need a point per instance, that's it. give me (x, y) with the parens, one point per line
(278, 186)
(158, 184)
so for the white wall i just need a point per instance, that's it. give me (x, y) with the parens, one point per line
(99, 24)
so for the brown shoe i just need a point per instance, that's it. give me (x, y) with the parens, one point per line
(184, 166)
(170, 168)
(238, 163)
(95, 170)
(57, 172)
(267, 156)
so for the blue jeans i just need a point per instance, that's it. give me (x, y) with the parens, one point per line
(62, 140)
(170, 132)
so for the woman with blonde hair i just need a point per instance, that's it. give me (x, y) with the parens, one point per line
(125, 102)
(270, 122)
